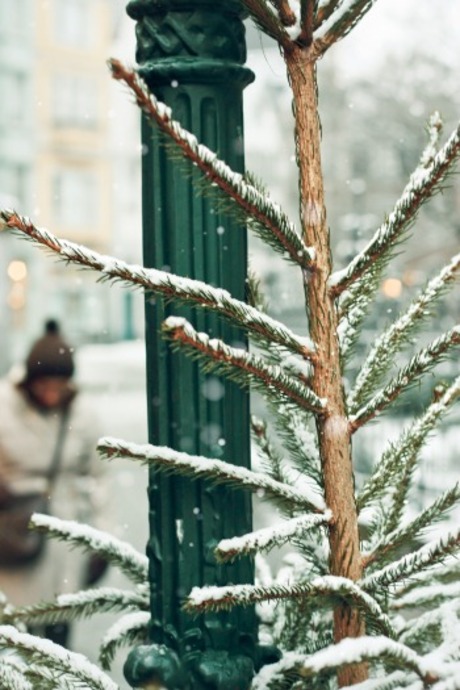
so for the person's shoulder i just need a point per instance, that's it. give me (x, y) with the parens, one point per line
(8, 389)
(12, 402)
(84, 411)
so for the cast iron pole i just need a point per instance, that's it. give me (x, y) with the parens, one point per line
(191, 54)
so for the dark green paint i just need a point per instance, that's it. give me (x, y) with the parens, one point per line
(191, 54)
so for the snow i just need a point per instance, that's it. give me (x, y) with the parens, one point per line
(256, 204)
(228, 596)
(385, 345)
(57, 657)
(330, 25)
(422, 596)
(419, 188)
(268, 537)
(255, 368)
(348, 651)
(434, 128)
(103, 595)
(276, 672)
(128, 557)
(294, 30)
(187, 289)
(217, 469)
(12, 674)
(427, 556)
(352, 650)
(137, 620)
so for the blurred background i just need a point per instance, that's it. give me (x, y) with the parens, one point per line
(70, 158)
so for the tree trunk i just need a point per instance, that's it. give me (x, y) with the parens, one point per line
(333, 432)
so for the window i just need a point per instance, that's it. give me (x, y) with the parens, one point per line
(14, 16)
(75, 198)
(72, 24)
(14, 102)
(12, 185)
(75, 101)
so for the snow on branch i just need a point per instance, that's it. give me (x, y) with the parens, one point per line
(293, 427)
(382, 354)
(269, 537)
(324, 10)
(427, 556)
(339, 22)
(404, 452)
(197, 466)
(434, 595)
(442, 574)
(269, 221)
(238, 365)
(353, 651)
(423, 183)
(434, 129)
(56, 658)
(12, 676)
(128, 559)
(263, 15)
(405, 534)
(213, 598)
(168, 285)
(271, 459)
(350, 323)
(422, 362)
(273, 676)
(129, 630)
(287, 15)
(81, 604)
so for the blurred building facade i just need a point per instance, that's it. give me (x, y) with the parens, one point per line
(66, 162)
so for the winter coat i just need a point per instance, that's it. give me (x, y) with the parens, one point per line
(27, 443)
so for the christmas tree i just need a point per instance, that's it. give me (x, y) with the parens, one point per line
(345, 616)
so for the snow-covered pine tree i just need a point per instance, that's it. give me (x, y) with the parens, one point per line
(340, 619)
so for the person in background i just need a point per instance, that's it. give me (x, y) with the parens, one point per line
(36, 411)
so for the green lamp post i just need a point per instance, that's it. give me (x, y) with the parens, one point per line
(191, 54)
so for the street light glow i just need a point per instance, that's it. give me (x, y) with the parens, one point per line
(17, 270)
(392, 288)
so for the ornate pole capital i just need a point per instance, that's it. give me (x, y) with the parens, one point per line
(199, 42)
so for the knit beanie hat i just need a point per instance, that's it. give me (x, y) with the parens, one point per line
(50, 355)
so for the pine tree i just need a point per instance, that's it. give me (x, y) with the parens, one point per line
(339, 620)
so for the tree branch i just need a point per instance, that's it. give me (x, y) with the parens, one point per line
(340, 22)
(221, 472)
(202, 599)
(387, 345)
(423, 184)
(170, 286)
(307, 19)
(239, 365)
(426, 557)
(404, 535)
(324, 10)
(422, 362)
(404, 452)
(271, 223)
(267, 538)
(267, 20)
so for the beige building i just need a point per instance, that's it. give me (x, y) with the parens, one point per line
(72, 103)
(64, 162)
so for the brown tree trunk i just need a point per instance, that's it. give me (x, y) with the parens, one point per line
(333, 432)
